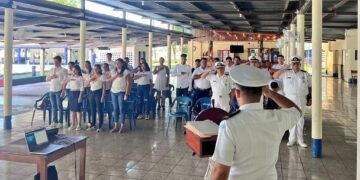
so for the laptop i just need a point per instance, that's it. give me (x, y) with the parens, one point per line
(38, 142)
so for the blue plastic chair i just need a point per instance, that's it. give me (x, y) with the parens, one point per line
(43, 104)
(130, 106)
(203, 103)
(182, 110)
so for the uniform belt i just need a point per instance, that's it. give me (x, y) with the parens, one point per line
(199, 89)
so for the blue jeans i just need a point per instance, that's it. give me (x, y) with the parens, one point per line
(143, 94)
(56, 106)
(107, 104)
(96, 106)
(118, 105)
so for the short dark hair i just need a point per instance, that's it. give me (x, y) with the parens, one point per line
(251, 91)
(58, 58)
(238, 57)
(216, 59)
(280, 56)
(204, 58)
(71, 63)
(197, 60)
(183, 55)
(108, 54)
(228, 58)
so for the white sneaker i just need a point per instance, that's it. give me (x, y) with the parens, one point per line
(147, 117)
(140, 117)
(289, 144)
(59, 125)
(53, 125)
(91, 128)
(78, 128)
(71, 127)
(99, 130)
(302, 144)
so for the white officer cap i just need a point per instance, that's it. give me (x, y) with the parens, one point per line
(249, 76)
(219, 65)
(294, 59)
(253, 58)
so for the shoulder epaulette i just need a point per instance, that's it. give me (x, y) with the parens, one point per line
(303, 71)
(232, 114)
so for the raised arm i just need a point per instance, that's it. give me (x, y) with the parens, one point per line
(278, 73)
(279, 99)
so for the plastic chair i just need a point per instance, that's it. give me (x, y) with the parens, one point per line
(130, 106)
(203, 103)
(43, 104)
(66, 109)
(182, 110)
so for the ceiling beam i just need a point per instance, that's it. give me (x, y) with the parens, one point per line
(211, 1)
(335, 7)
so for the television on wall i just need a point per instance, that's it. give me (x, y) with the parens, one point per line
(236, 49)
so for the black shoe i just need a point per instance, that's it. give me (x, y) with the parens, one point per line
(158, 108)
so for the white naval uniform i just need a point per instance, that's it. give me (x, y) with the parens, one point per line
(221, 87)
(296, 88)
(249, 141)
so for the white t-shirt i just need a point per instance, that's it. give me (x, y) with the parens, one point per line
(295, 84)
(278, 66)
(249, 141)
(145, 78)
(69, 75)
(200, 83)
(76, 83)
(57, 83)
(183, 80)
(107, 76)
(119, 83)
(97, 83)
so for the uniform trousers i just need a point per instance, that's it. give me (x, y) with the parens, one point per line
(296, 133)
(222, 102)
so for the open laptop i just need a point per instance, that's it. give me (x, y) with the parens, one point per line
(38, 142)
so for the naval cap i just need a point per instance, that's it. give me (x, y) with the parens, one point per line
(249, 76)
(295, 59)
(253, 58)
(219, 65)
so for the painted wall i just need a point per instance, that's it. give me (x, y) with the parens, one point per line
(350, 45)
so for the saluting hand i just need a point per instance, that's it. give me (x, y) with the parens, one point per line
(266, 91)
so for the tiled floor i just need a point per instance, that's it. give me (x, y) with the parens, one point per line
(147, 153)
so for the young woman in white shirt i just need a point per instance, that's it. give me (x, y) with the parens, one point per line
(161, 83)
(107, 101)
(120, 90)
(97, 97)
(144, 81)
(76, 87)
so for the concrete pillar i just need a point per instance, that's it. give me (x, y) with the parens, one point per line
(42, 62)
(123, 42)
(358, 101)
(69, 56)
(181, 45)
(66, 60)
(316, 131)
(82, 50)
(8, 61)
(301, 31)
(286, 48)
(150, 48)
(292, 47)
(168, 42)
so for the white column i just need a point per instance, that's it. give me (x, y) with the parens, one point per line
(292, 41)
(301, 31)
(8, 55)
(82, 50)
(69, 54)
(316, 131)
(182, 45)
(150, 48)
(42, 62)
(169, 50)
(123, 42)
(358, 101)
(286, 50)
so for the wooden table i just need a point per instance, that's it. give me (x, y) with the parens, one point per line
(18, 152)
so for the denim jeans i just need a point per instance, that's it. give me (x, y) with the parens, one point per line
(87, 103)
(143, 94)
(118, 104)
(96, 106)
(182, 92)
(56, 106)
(108, 105)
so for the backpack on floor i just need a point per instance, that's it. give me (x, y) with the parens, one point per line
(52, 174)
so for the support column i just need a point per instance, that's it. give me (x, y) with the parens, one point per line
(150, 48)
(82, 43)
(358, 101)
(286, 48)
(18, 58)
(66, 60)
(42, 62)
(316, 131)
(301, 31)
(69, 54)
(292, 50)
(8, 55)
(182, 45)
(123, 42)
(168, 42)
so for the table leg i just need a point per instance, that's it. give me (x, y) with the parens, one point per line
(82, 163)
(42, 168)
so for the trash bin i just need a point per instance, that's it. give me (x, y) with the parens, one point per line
(33, 71)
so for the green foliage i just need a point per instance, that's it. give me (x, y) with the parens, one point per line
(71, 3)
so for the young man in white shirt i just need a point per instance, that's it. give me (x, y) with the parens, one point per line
(202, 87)
(110, 62)
(57, 77)
(182, 72)
(247, 145)
(279, 65)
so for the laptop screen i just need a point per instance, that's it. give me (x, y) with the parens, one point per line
(35, 139)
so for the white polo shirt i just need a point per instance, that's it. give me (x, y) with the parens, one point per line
(249, 141)
(119, 83)
(57, 83)
(183, 80)
(97, 83)
(295, 84)
(76, 83)
(200, 83)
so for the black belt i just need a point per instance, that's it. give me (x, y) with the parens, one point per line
(198, 89)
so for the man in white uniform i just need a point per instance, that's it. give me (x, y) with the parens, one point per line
(297, 87)
(247, 145)
(182, 72)
(254, 61)
(221, 86)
